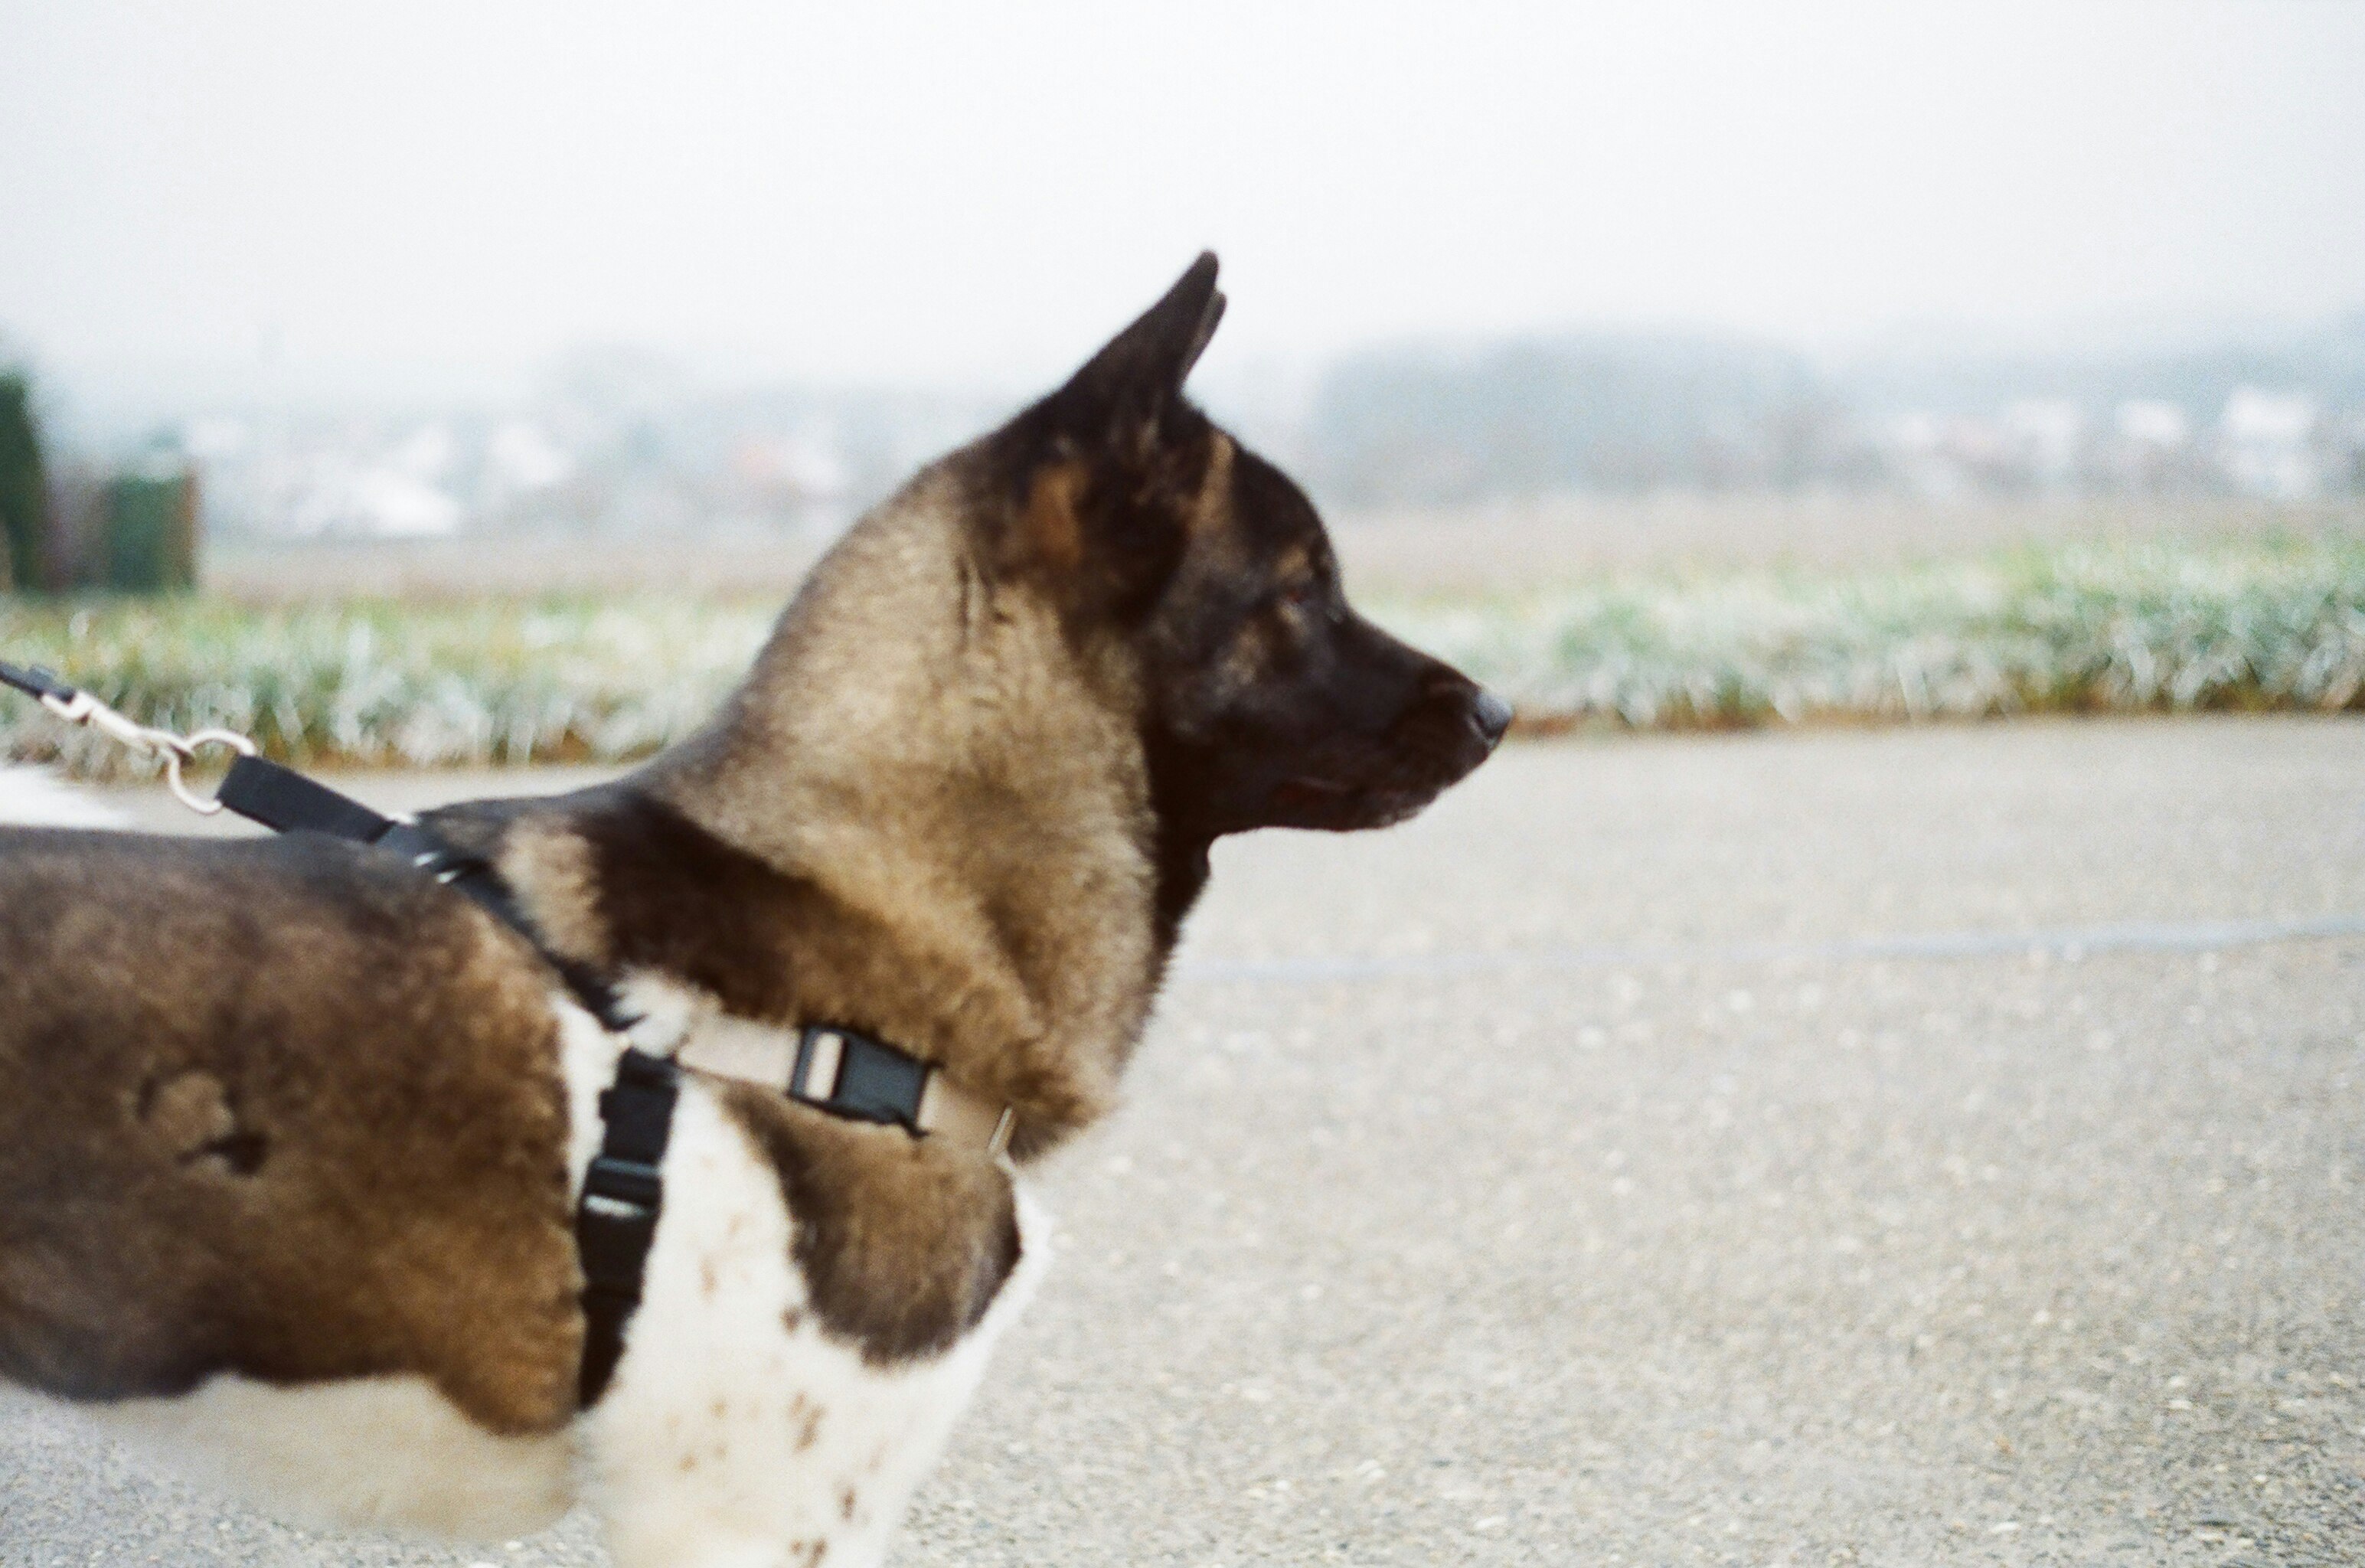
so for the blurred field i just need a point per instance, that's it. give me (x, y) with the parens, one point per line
(1573, 539)
(375, 682)
(427, 571)
(2078, 628)
(1645, 615)
(1510, 545)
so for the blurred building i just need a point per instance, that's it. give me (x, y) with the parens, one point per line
(621, 443)
(2278, 421)
(611, 448)
(2268, 442)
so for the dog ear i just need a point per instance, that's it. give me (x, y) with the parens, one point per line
(1125, 391)
(1103, 471)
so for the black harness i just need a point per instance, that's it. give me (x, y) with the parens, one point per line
(623, 1190)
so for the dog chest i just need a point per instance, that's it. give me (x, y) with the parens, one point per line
(741, 1422)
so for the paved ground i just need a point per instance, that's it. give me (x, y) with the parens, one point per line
(1905, 1148)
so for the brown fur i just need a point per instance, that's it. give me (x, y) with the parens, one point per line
(281, 1107)
(1053, 535)
(885, 1269)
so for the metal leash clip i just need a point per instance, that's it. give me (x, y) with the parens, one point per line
(77, 707)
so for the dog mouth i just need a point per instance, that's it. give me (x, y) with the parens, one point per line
(1350, 790)
(1305, 793)
(1309, 801)
(1353, 782)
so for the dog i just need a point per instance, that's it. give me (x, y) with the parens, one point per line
(292, 1135)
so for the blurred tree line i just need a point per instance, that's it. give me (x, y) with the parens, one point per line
(1602, 412)
(24, 484)
(1627, 413)
(69, 527)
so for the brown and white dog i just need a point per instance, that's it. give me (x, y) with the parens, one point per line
(290, 1135)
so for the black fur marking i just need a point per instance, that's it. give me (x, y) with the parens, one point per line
(674, 898)
(679, 901)
(241, 1152)
(1182, 843)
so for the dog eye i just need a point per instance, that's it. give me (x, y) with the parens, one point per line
(1297, 596)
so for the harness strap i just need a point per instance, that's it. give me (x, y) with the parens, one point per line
(623, 1193)
(623, 1190)
(286, 802)
(848, 1074)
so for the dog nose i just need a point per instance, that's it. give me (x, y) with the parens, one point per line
(1491, 715)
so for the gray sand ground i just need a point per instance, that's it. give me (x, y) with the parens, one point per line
(1602, 1169)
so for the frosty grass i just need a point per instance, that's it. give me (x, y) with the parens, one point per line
(2084, 627)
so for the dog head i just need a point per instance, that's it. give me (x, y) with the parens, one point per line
(1204, 574)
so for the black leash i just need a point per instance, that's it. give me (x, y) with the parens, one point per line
(286, 802)
(34, 682)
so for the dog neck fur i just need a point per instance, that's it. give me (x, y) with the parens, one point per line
(923, 740)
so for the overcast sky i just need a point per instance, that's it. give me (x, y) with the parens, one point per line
(449, 194)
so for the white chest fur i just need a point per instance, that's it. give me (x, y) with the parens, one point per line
(735, 1431)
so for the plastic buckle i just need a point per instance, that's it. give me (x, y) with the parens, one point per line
(623, 1189)
(868, 1080)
